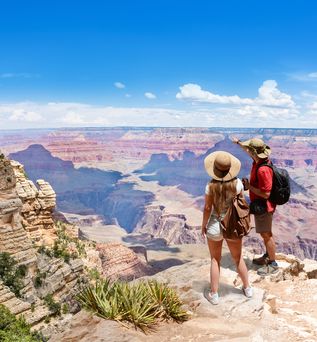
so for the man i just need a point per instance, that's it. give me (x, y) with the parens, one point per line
(260, 185)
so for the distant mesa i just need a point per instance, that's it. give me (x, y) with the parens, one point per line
(85, 190)
(188, 173)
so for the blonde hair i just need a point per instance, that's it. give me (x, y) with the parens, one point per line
(221, 192)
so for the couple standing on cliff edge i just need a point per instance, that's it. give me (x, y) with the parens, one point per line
(223, 167)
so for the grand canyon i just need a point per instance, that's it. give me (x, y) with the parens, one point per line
(152, 180)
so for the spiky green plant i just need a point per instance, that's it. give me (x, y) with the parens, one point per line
(141, 303)
(137, 306)
(168, 302)
(101, 299)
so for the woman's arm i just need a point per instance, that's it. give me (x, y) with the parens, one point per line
(206, 215)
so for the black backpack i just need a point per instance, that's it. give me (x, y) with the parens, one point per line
(281, 187)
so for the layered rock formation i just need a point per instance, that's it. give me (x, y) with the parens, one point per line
(120, 262)
(26, 219)
(171, 227)
(37, 206)
(13, 237)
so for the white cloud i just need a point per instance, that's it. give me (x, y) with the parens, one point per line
(24, 115)
(128, 95)
(63, 114)
(73, 118)
(150, 96)
(119, 85)
(194, 92)
(281, 113)
(312, 75)
(271, 108)
(269, 95)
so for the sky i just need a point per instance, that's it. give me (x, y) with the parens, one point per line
(158, 63)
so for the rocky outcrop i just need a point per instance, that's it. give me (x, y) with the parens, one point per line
(26, 219)
(171, 227)
(120, 262)
(14, 304)
(13, 237)
(38, 204)
(281, 309)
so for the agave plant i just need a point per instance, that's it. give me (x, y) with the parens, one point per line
(140, 303)
(168, 302)
(101, 299)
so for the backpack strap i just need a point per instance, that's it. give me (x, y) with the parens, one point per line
(266, 163)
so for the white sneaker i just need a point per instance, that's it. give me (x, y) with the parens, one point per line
(248, 291)
(213, 298)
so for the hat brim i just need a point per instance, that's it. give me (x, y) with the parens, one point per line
(262, 155)
(230, 174)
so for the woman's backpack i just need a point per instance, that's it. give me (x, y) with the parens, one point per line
(236, 222)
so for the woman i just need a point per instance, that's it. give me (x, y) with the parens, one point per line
(223, 167)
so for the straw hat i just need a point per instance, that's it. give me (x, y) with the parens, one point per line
(222, 166)
(258, 147)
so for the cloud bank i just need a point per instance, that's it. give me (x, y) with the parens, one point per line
(197, 108)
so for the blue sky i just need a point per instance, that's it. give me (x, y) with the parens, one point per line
(166, 63)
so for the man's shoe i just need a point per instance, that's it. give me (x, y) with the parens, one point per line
(268, 269)
(263, 260)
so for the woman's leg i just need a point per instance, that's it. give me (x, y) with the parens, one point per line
(215, 248)
(235, 247)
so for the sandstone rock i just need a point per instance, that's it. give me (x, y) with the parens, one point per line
(120, 262)
(86, 328)
(13, 238)
(14, 304)
(38, 205)
(310, 268)
(171, 227)
(37, 315)
(7, 176)
(271, 301)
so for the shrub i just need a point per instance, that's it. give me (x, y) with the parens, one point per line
(38, 280)
(61, 248)
(94, 274)
(15, 329)
(65, 308)
(141, 303)
(54, 307)
(11, 274)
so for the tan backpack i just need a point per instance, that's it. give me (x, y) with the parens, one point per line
(236, 222)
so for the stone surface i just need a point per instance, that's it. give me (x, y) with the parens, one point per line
(120, 262)
(38, 204)
(282, 310)
(171, 227)
(310, 268)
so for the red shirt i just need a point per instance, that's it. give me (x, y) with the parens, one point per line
(263, 180)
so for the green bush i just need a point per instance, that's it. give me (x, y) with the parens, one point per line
(65, 308)
(61, 245)
(14, 329)
(142, 303)
(54, 307)
(11, 274)
(38, 280)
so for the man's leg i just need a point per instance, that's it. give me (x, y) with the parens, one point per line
(269, 244)
(263, 225)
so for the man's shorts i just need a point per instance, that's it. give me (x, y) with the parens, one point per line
(263, 222)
